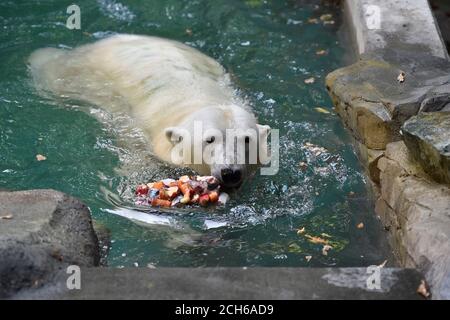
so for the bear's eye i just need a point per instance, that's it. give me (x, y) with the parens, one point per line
(210, 139)
(180, 138)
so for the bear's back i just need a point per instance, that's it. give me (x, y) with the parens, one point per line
(142, 73)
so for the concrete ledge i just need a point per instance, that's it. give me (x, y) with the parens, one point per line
(233, 283)
(380, 24)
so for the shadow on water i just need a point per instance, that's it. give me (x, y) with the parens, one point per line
(270, 48)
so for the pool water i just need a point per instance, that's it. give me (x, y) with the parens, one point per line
(270, 48)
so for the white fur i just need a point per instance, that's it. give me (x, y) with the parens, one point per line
(160, 83)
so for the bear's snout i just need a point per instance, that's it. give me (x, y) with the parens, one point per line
(231, 177)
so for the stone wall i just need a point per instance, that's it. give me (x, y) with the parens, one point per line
(395, 100)
(42, 232)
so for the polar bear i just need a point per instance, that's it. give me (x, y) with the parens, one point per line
(164, 85)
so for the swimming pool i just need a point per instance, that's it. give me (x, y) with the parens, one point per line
(271, 48)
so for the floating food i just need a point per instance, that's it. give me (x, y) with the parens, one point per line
(201, 190)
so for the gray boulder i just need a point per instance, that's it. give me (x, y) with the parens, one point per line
(427, 137)
(41, 233)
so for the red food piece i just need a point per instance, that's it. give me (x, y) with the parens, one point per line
(172, 192)
(199, 187)
(184, 179)
(204, 200)
(184, 187)
(160, 203)
(163, 194)
(195, 198)
(158, 185)
(142, 190)
(213, 196)
(186, 190)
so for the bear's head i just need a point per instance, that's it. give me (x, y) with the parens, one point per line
(222, 141)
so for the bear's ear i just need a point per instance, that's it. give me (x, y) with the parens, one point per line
(263, 130)
(174, 134)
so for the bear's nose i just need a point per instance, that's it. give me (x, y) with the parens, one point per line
(230, 176)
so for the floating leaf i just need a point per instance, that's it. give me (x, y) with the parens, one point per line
(360, 225)
(254, 3)
(40, 157)
(301, 231)
(308, 258)
(325, 249)
(326, 17)
(338, 245)
(321, 52)
(303, 165)
(310, 80)
(7, 217)
(316, 240)
(322, 110)
(423, 290)
(383, 264)
(294, 248)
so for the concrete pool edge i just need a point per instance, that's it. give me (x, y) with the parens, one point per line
(395, 101)
(231, 283)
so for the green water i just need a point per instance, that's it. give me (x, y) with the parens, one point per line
(270, 49)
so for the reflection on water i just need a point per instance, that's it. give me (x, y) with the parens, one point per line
(270, 48)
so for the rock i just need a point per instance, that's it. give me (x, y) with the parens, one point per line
(369, 159)
(359, 105)
(427, 136)
(373, 104)
(441, 13)
(437, 99)
(104, 241)
(416, 211)
(49, 231)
